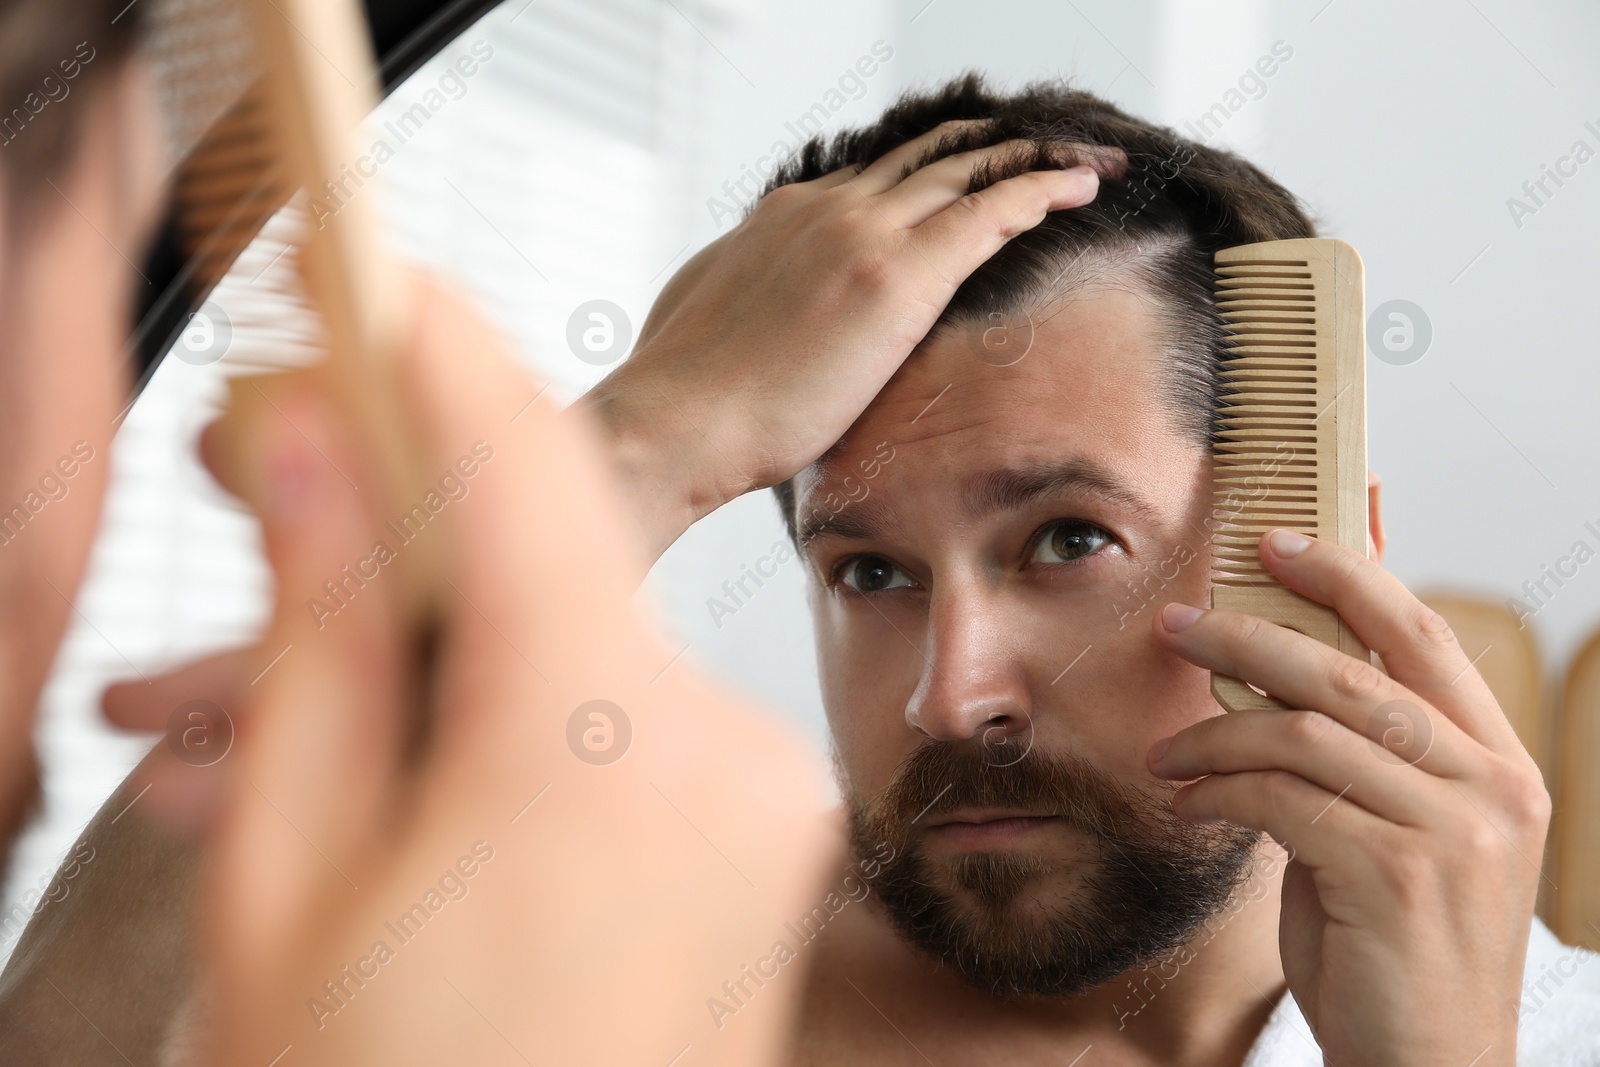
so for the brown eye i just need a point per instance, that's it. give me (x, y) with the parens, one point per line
(1069, 541)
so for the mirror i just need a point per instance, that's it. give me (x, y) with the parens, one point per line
(561, 159)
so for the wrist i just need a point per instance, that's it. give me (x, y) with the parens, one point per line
(667, 468)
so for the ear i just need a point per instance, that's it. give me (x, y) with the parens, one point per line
(1375, 538)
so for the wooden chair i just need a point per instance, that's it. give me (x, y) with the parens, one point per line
(1577, 803)
(1507, 655)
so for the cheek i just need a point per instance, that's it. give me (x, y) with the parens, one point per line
(867, 682)
(1123, 690)
(1156, 694)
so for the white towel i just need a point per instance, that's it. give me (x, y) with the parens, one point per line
(1559, 1023)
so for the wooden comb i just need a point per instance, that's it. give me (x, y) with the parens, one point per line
(297, 127)
(1291, 443)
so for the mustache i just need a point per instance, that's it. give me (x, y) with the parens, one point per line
(941, 777)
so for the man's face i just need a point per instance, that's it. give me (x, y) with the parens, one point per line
(987, 547)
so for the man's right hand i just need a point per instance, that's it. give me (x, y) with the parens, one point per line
(768, 344)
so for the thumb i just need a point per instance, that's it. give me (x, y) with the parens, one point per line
(319, 725)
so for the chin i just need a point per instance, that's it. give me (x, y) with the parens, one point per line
(1013, 887)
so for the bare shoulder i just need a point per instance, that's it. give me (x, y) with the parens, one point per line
(108, 941)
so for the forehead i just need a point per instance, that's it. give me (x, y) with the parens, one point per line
(1082, 380)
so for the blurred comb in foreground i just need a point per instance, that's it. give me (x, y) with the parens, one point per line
(1291, 445)
(295, 128)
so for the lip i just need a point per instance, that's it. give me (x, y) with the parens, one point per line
(987, 828)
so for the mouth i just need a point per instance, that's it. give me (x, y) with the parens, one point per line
(987, 828)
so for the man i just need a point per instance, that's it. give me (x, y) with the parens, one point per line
(1004, 551)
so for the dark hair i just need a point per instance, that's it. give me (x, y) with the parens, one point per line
(1157, 225)
(41, 41)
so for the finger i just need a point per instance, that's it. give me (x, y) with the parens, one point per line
(1376, 538)
(1308, 744)
(1417, 646)
(1305, 673)
(1316, 825)
(895, 167)
(317, 741)
(182, 781)
(1108, 161)
(887, 170)
(939, 185)
(959, 239)
(835, 178)
(148, 705)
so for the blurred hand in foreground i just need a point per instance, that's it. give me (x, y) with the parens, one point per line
(532, 876)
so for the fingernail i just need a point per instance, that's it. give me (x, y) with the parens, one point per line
(1288, 544)
(1178, 796)
(1176, 616)
(1159, 749)
(1181, 797)
(1082, 168)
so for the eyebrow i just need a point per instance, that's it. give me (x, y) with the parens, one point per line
(986, 493)
(857, 521)
(1017, 487)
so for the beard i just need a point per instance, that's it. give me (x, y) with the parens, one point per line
(1018, 924)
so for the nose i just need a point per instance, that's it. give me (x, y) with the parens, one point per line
(973, 684)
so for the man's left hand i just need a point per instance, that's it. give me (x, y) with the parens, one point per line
(1415, 817)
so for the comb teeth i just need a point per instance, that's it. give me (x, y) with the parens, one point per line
(1290, 447)
(1268, 429)
(229, 186)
